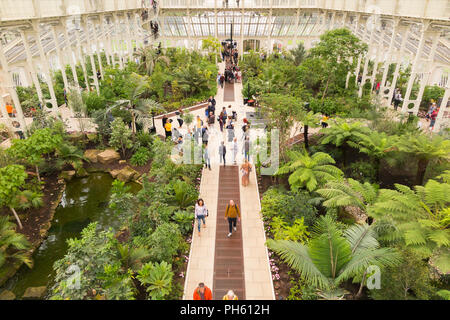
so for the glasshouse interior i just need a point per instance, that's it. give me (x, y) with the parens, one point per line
(224, 150)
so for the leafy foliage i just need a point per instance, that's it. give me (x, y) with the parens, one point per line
(158, 278)
(309, 171)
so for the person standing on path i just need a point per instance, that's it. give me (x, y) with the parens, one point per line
(230, 296)
(222, 152)
(246, 167)
(235, 150)
(206, 156)
(202, 292)
(232, 214)
(230, 130)
(198, 129)
(205, 134)
(168, 128)
(221, 121)
(201, 212)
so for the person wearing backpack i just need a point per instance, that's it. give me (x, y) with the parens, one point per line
(232, 214)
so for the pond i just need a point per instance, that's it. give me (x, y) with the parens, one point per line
(85, 200)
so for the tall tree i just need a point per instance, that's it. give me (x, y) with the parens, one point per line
(334, 56)
(148, 58)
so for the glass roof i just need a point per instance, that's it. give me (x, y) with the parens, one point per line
(248, 24)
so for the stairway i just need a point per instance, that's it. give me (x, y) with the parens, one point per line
(229, 255)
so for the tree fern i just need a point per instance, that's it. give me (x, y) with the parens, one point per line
(309, 171)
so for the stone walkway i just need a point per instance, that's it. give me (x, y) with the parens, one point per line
(257, 275)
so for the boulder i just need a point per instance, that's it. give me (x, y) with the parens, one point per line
(114, 173)
(7, 295)
(108, 156)
(127, 174)
(34, 293)
(67, 175)
(91, 155)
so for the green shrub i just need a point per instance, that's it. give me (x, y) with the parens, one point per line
(158, 279)
(94, 101)
(289, 206)
(184, 220)
(165, 242)
(141, 157)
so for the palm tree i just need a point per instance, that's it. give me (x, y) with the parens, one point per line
(309, 120)
(13, 245)
(376, 145)
(138, 107)
(419, 218)
(148, 57)
(192, 79)
(350, 193)
(333, 255)
(341, 133)
(425, 149)
(309, 171)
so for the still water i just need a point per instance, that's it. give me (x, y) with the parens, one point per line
(85, 200)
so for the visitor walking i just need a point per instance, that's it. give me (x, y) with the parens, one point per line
(246, 148)
(201, 212)
(235, 150)
(232, 214)
(433, 118)
(206, 156)
(230, 296)
(246, 168)
(397, 98)
(220, 119)
(222, 152)
(179, 114)
(230, 130)
(205, 134)
(198, 129)
(202, 292)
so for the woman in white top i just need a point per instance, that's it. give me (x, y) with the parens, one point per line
(201, 212)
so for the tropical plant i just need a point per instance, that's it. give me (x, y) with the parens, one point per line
(158, 279)
(136, 103)
(409, 280)
(341, 133)
(348, 193)
(120, 136)
(13, 192)
(141, 157)
(376, 145)
(132, 257)
(333, 255)
(309, 120)
(185, 194)
(309, 171)
(417, 218)
(298, 54)
(296, 232)
(184, 220)
(69, 154)
(425, 149)
(277, 202)
(33, 149)
(148, 58)
(13, 245)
